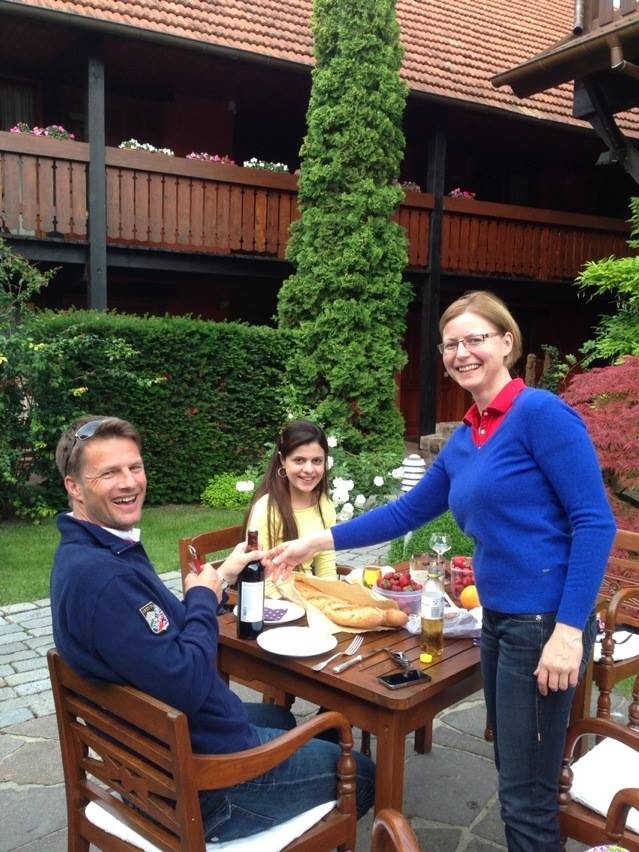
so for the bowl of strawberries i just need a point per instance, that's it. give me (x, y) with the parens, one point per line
(400, 587)
(461, 575)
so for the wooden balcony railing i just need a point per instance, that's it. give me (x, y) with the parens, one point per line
(598, 13)
(156, 201)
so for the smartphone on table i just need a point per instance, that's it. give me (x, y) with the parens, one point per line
(408, 677)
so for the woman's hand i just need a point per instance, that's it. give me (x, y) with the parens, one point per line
(283, 558)
(558, 666)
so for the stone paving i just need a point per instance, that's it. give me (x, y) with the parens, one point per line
(450, 794)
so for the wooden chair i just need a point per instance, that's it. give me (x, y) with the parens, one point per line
(392, 833)
(620, 595)
(595, 782)
(207, 543)
(120, 744)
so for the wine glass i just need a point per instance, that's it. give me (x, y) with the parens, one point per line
(440, 543)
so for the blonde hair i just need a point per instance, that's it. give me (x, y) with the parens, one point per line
(492, 309)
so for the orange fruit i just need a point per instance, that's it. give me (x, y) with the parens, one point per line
(469, 598)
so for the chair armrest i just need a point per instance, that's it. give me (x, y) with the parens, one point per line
(391, 830)
(615, 602)
(216, 771)
(600, 728)
(621, 803)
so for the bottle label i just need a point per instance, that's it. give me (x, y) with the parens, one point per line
(433, 608)
(252, 607)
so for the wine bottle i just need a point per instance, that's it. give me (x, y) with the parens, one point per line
(250, 595)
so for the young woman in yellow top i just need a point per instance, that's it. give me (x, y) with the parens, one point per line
(292, 500)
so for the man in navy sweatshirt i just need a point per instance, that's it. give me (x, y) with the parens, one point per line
(114, 620)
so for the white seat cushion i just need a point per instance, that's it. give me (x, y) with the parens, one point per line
(600, 773)
(626, 646)
(271, 840)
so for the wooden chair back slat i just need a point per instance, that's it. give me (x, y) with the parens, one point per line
(622, 572)
(619, 604)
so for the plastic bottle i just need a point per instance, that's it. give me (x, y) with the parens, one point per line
(432, 640)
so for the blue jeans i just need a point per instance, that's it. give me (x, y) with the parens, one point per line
(529, 729)
(306, 779)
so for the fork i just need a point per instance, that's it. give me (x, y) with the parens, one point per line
(353, 648)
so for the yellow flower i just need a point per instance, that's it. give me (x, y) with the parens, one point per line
(79, 391)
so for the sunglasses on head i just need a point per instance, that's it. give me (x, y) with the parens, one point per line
(86, 431)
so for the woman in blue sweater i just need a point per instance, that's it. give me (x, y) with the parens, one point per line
(521, 477)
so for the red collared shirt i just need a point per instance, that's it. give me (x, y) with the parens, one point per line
(485, 423)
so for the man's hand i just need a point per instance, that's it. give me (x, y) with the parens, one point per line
(558, 666)
(211, 578)
(238, 559)
(208, 578)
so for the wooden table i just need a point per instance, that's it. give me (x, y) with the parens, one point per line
(368, 704)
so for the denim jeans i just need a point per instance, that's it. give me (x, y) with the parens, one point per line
(529, 729)
(306, 779)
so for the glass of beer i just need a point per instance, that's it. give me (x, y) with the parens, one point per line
(371, 575)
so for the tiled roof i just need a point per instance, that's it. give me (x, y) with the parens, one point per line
(452, 47)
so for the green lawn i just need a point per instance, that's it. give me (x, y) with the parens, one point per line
(26, 550)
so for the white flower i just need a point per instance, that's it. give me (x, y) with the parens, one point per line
(244, 485)
(398, 473)
(348, 484)
(339, 496)
(331, 441)
(360, 501)
(346, 512)
(330, 461)
(378, 481)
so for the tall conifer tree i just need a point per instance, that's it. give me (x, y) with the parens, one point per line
(346, 300)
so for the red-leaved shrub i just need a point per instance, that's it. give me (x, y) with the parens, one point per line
(608, 400)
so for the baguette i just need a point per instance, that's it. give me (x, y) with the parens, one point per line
(364, 617)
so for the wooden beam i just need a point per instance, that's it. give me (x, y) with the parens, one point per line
(431, 286)
(97, 269)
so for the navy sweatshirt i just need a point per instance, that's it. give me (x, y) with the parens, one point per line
(532, 498)
(114, 620)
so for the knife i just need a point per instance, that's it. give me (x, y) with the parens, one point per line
(358, 659)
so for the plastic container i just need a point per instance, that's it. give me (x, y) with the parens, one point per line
(460, 577)
(408, 602)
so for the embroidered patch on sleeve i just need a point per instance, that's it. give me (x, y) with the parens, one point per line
(155, 617)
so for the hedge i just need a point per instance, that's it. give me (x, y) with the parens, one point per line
(205, 396)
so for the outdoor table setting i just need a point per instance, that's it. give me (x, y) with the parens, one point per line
(338, 667)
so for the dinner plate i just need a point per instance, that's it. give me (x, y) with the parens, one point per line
(296, 641)
(279, 611)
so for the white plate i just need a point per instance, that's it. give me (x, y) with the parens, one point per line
(296, 641)
(292, 611)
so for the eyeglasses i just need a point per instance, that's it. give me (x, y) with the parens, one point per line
(86, 431)
(470, 341)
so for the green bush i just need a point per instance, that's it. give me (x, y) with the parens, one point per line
(461, 544)
(222, 493)
(347, 302)
(205, 396)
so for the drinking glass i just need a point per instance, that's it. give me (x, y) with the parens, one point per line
(419, 563)
(440, 543)
(371, 575)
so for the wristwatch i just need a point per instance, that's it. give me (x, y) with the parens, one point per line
(225, 583)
